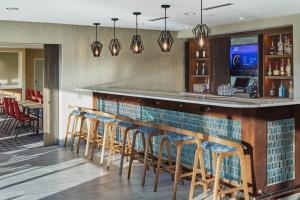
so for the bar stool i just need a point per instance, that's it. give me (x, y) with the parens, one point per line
(143, 156)
(180, 140)
(219, 152)
(73, 118)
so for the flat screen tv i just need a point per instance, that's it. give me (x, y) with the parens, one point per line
(244, 60)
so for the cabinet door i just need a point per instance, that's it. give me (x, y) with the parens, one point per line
(219, 51)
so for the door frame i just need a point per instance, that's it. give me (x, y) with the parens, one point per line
(34, 71)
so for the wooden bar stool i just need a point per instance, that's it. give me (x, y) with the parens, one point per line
(219, 152)
(144, 156)
(180, 140)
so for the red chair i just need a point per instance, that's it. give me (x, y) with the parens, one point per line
(39, 97)
(5, 112)
(33, 95)
(9, 126)
(1, 106)
(27, 94)
(22, 118)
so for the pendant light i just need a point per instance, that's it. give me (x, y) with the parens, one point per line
(136, 45)
(165, 39)
(114, 45)
(201, 32)
(96, 46)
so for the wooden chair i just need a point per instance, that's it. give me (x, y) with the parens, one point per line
(144, 156)
(180, 140)
(219, 152)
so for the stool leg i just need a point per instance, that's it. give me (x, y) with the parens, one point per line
(132, 153)
(144, 145)
(80, 134)
(111, 147)
(217, 177)
(95, 137)
(151, 154)
(169, 156)
(74, 132)
(67, 130)
(161, 147)
(90, 131)
(146, 159)
(123, 149)
(177, 169)
(195, 169)
(202, 170)
(244, 176)
(105, 136)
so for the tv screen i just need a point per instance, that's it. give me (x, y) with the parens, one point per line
(244, 60)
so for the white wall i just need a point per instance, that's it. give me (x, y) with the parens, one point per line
(262, 24)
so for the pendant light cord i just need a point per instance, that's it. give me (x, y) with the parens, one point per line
(165, 19)
(201, 13)
(114, 29)
(136, 24)
(96, 32)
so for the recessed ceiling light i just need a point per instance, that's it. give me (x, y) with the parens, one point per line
(241, 18)
(190, 13)
(186, 27)
(12, 8)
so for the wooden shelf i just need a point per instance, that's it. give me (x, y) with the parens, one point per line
(279, 56)
(204, 59)
(200, 76)
(279, 77)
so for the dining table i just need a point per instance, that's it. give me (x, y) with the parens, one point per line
(34, 108)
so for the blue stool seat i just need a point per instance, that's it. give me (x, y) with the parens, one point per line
(106, 119)
(90, 115)
(76, 112)
(125, 124)
(177, 136)
(218, 148)
(145, 129)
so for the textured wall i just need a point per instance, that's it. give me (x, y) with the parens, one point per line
(31, 54)
(151, 70)
(9, 68)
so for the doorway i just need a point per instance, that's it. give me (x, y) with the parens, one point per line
(39, 74)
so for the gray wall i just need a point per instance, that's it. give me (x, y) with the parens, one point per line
(9, 68)
(152, 70)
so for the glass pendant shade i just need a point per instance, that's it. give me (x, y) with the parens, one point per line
(114, 45)
(201, 32)
(136, 44)
(165, 39)
(96, 46)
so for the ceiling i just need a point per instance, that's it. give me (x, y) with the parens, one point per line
(85, 12)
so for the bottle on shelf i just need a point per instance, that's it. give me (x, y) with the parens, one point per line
(270, 70)
(272, 91)
(290, 47)
(203, 69)
(281, 92)
(288, 68)
(291, 90)
(276, 70)
(280, 46)
(282, 70)
(272, 49)
(203, 53)
(197, 68)
(286, 45)
(197, 54)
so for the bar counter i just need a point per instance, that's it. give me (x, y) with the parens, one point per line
(269, 128)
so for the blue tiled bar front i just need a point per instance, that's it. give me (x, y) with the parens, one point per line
(270, 134)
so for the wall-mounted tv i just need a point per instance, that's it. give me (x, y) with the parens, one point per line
(244, 60)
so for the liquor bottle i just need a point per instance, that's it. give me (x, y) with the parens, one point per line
(203, 53)
(288, 68)
(291, 90)
(280, 46)
(272, 91)
(290, 47)
(272, 49)
(286, 45)
(197, 68)
(203, 69)
(282, 71)
(276, 70)
(281, 91)
(197, 54)
(270, 70)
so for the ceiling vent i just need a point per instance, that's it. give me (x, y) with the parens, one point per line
(218, 6)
